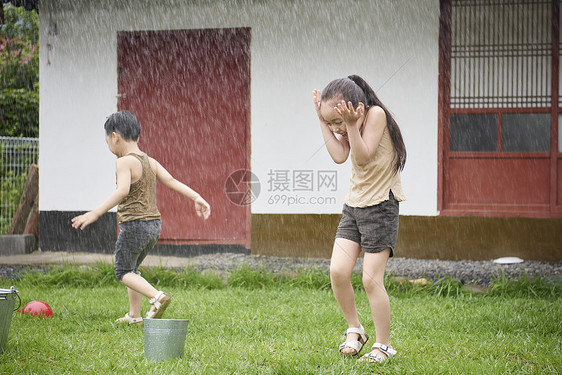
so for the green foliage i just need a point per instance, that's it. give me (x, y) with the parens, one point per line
(447, 287)
(71, 276)
(313, 278)
(19, 112)
(101, 275)
(283, 330)
(20, 24)
(188, 277)
(19, 73)
(245, 277)
(262, 322)
(524, 286)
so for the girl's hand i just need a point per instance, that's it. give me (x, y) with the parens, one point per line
(317, 98)
(202, 208)
(350, 115)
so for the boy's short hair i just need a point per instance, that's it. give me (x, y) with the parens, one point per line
(125, 124)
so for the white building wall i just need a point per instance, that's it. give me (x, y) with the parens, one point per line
(296, 46)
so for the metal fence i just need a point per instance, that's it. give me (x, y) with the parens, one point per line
(16, 156)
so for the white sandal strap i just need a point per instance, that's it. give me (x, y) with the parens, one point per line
(356, 345)
(384, 348)
(354, 330)
(154, 301)
(156, 297)
(373, 358)
(130, 320)
(360, 331)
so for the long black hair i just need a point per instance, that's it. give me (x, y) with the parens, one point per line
(354, 89)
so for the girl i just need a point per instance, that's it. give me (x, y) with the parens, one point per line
(355, 122)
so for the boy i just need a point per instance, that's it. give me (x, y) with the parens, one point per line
(139, 218)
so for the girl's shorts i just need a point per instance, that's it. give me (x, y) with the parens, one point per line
(375, 228)
(136, 239)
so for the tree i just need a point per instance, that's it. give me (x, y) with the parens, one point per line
(19, 73)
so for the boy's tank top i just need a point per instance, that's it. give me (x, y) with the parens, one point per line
(370, 184)
(140, 203)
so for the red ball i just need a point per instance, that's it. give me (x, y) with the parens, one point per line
(35, 308)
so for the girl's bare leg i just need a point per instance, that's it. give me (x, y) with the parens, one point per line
(344, 256)
(374, 265)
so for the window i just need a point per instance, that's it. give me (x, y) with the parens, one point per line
(477, 132)
(525, 132)
(500, 152)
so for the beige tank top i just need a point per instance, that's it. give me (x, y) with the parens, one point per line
(140, 203)
(370, 184)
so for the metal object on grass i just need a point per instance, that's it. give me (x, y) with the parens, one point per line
(164, 338)
(7, 301)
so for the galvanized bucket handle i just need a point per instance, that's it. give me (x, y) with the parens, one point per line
(13, 290)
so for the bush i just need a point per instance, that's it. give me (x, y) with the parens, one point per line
(19, 73)
(19, 112)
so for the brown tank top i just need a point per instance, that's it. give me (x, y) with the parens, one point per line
(140, 203)
(371, 184)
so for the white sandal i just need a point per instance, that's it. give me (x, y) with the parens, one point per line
(375, 357)
(160, 305)
(128, 319)
(356, 345)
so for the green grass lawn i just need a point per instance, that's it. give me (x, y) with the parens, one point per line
(258, 324)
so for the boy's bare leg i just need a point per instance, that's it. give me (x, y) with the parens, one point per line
(374, 265)
(138, 284)
(344, 256)
(135, 300)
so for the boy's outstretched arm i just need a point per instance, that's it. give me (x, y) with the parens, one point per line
(202, 208)
(123, 173)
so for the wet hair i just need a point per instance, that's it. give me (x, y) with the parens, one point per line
(354, 89)
(125, 124)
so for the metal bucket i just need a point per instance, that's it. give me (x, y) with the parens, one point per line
(164, 338)
(7, 301)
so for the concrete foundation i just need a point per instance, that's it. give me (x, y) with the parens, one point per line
(17, 244)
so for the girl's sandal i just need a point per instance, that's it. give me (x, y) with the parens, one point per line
(128, 319)
(376, 357)
(160, 302)
(356, 345)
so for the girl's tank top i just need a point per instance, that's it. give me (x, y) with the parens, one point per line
(370, 184)
(140, 203)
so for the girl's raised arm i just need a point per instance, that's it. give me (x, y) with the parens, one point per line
(337, 145)
(364, 142)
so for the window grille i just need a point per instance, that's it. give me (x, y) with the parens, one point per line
(501, 53)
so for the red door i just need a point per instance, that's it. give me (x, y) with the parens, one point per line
(190, 91)
(499, 109)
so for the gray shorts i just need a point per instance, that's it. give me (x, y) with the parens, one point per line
(375, 228)
(136, 239)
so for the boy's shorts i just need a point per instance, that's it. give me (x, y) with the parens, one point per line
(136, 239)
(375, 228)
